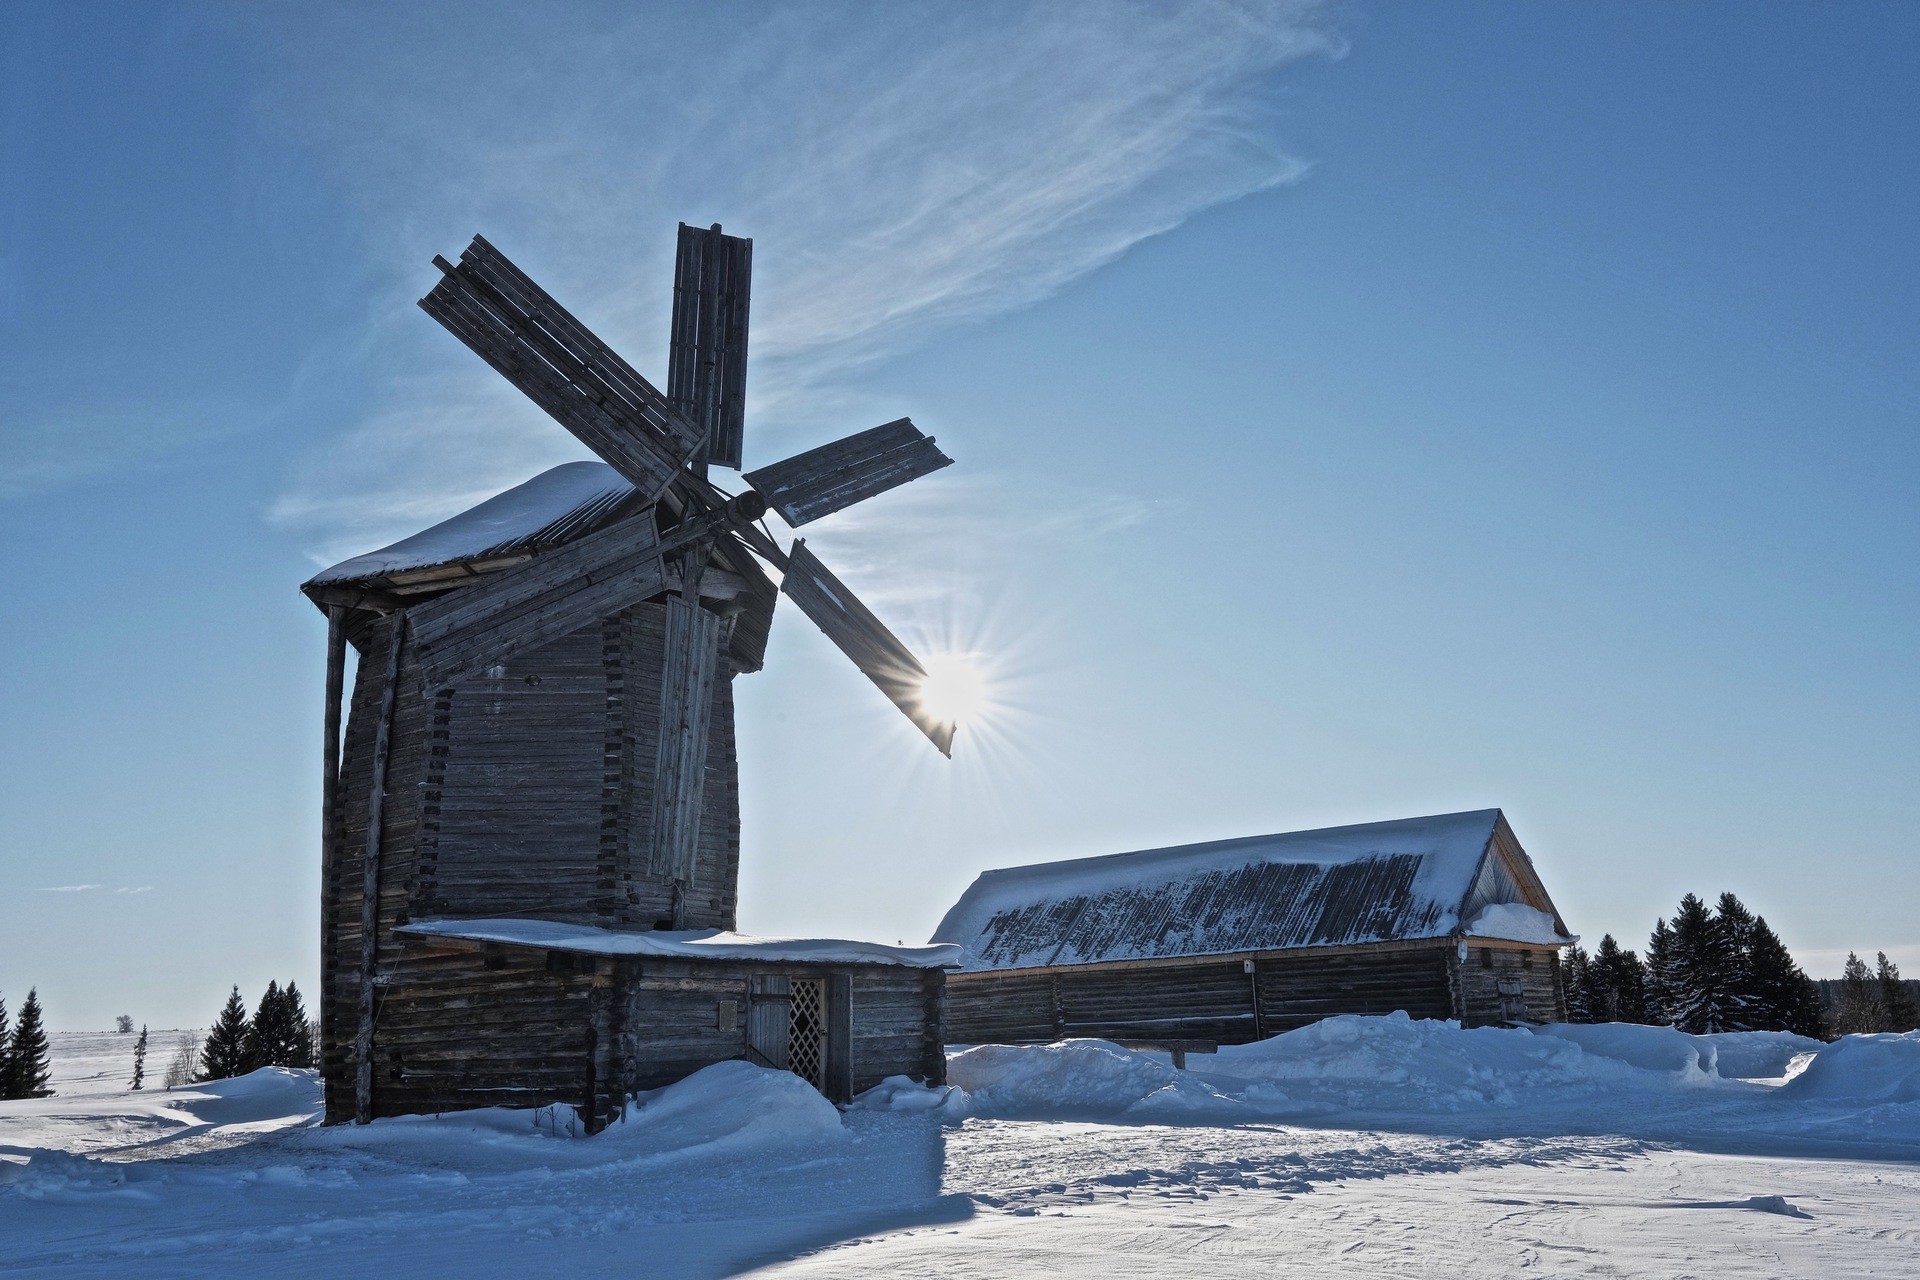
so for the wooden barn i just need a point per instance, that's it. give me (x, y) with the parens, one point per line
(1236, 940)
(531, 828)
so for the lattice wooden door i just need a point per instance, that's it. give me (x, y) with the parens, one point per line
(807, 1031)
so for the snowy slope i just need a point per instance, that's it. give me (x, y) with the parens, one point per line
(1357, 1147)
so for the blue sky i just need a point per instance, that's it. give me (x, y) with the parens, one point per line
(1360, 412)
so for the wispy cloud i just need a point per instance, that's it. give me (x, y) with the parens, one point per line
(134, 888)
(44, 448)
(902, 169)
(69, 888)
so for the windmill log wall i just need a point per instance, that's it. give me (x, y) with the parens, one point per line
(1214, 998)
(523, 791)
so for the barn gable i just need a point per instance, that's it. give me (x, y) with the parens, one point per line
(1406, 880)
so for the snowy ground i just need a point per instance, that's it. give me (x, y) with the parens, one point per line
(1358, 1147)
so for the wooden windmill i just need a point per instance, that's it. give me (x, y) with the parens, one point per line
(542, 723)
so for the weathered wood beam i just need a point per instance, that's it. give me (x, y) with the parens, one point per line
(692, 653)
(864, 638)
(530, 604)
(330, 761)
(370, 884)
(707, 355)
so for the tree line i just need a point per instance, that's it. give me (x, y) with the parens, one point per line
(1722, 968)
(26, 1064)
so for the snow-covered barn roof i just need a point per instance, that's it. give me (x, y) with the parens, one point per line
(554, 507)
(683, 944)
(1395, 881)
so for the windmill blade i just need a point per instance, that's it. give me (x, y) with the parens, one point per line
(680, 763)
(707, 358)
(468, 630)
(822, 481)
(537, 345)
(864, 638)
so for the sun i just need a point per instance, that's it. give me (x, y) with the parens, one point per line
(954, 691)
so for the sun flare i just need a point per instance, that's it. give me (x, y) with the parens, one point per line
(954, 691)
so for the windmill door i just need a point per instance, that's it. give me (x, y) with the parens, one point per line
(803, 1025)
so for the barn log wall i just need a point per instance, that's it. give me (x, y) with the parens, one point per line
(1534, 989)
(1207, 998)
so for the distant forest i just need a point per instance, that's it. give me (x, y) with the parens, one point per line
(1722, 968)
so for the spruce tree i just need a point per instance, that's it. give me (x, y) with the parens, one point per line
(1859, 1010)
(263, 1032)
(1582, 1002)
(6, 1053)
(1896, 1005)
(296, 1049)
(1621, 981)
(1734, 924)
(140, 1058)
(29, 1062)
(1701, 1000)
(1660, 977)
(224, 1053)
(1784, 997)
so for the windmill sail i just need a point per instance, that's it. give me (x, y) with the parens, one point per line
(822, 481)
(707, 358)
(536, 344)
(543, 599)
(865, 639)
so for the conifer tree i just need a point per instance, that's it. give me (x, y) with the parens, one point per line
(1660, 979)
(1734, 925)
(1582, 998)
(1859, 1000)
(1622, 982)
(1784, 997)
(29, 1062)
(1700, 997)
(263, 1032)
(6, 1053)
(296, 1047)
(140, 1058)
(224, 1053)
(1896, 1005)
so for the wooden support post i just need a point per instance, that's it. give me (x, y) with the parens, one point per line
(330, 766)
(370, 885)
(1253, 981)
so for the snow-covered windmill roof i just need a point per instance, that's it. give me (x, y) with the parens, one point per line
(1337, 886)
(553, 507)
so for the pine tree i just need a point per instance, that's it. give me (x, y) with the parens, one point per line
(1896, 1005)
(1735, 925)
(124, 1024)
(1859, 1000)
(140, 1058)
(1784, 997)
(223, 1054)
(296, 1050)
(29, 1063)
(1660, 976)
(1701, 1000)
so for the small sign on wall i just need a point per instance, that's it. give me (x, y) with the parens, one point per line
(726, 1015)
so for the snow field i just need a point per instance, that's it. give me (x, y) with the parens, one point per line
(1358, 1146)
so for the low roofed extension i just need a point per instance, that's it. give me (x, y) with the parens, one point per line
(1406, 880)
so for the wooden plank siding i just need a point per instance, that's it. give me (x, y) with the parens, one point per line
(1535, 988)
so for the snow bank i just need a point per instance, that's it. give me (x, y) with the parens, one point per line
(725, 1108)
(1074, 1078)
(902, 1093)
(1759, 1055)
(1648, 1048)
(1874, 1068)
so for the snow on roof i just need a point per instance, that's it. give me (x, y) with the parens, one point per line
(684, 944)
(1337, 886)
(1517, 922)
(552, 507)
